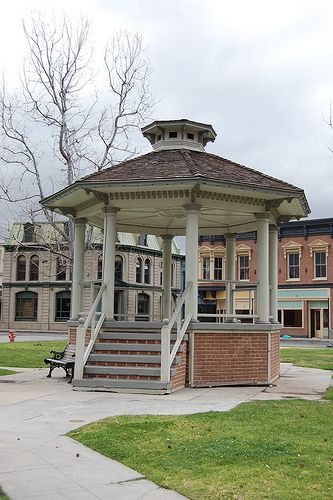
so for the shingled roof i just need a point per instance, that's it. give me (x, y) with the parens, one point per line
(186, 164)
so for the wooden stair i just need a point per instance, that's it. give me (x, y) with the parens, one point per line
(128, 360)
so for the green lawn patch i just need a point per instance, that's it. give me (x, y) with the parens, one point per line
(28, 354)
(271, 449)
(3, 371)
(309, 358)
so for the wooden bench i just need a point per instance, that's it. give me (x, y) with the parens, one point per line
(62, 359)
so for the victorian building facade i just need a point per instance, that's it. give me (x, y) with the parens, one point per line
(305, 277)
(37, 277)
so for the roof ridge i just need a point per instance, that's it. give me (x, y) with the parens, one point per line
(190, 162)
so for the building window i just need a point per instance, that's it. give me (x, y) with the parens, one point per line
(34, 268)
(138, 270)
(142, 240)
(63, 306)
(161, 273)
(21, 265)
(291, 318)
(143, 307)
(26, 306)
(218, 268)
(206, 268)
(100, 267)
(173, 135)
(60, 269)
(293, 266)
(118, 270)
(29, 233)
(320, 265)
(147, 271)
(243, 267)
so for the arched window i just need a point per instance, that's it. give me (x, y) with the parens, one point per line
(26, 306)
(60, 269)
(143, 307)
(138, 270)
(100, 267)
(147, 271)
(21, 265)
(118, 271)
(34, 268)
(63, 306)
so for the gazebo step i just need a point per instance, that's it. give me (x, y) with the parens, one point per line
(122, 385)
(123, 358)
(137, 347)
(136, 371)
(134, 336)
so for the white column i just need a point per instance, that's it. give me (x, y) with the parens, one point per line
(273, 272)
(166, 275)
(109, 254)
(191, 263)
(230, 271)
(78, 267)
(263, 267)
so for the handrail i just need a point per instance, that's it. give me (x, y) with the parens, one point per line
(83, 353)
(167, 357)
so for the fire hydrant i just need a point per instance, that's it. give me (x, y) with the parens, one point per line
(11, 335)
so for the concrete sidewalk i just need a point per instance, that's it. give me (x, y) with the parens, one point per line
(37, 461)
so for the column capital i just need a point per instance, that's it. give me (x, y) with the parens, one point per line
(167, 237)
(110, 210)
(192, 207)
(262, 216)
(78, 220)
(273, 228)
(230, 236)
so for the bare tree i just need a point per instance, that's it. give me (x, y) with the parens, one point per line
(60, 123)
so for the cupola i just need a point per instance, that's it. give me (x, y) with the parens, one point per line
(178, 134)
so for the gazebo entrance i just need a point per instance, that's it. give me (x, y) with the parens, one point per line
(178, 189)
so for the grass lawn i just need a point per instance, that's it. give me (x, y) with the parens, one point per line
(265, 449)
(310, 358)
(6, 372)
(270, 449)
(28, 354)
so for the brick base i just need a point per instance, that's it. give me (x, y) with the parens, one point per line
(226, 358)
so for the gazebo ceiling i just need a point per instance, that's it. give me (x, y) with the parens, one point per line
(153, 192)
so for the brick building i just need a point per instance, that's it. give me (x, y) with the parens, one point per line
(37, 279)
(305, 277)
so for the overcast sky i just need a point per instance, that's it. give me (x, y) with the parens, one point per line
(261, 72)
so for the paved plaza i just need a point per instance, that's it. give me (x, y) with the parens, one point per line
(37, 461)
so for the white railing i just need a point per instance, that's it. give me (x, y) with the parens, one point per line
(167, 357)
(82, 352)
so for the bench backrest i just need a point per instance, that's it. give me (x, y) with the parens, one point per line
(69, 353)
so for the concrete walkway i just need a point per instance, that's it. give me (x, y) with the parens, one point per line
(38, 462)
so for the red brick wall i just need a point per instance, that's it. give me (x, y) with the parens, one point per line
(178, 381)
(235, 357)
(72, 336)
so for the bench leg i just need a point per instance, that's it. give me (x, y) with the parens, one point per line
(50, 371)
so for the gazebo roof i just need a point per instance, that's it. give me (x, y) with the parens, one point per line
(186, 164)
(153, 192)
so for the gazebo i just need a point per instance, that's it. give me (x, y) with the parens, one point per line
(178, 189)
